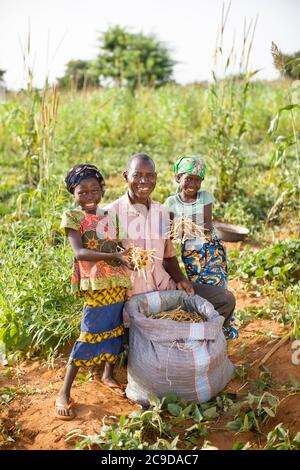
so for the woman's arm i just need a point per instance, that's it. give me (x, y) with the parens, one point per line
(208, 216)
(84, 254)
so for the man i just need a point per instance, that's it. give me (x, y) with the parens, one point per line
(145, 222)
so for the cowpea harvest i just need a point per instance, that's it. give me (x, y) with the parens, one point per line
(140, 258)
(183, 228)
(179, 315)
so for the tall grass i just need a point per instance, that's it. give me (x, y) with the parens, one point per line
(287, 147)
(226, 121)
(228, 101)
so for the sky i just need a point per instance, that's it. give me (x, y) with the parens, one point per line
(62, 30)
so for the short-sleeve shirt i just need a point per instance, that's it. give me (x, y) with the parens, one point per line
(147, 229)
(195, 209)
(98, 232)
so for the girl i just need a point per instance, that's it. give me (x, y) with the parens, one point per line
(100, 275)
(204, 260)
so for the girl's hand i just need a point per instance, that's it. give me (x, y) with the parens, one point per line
(123, 257)
(186, 285)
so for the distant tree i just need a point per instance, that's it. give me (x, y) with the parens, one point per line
(287, 64)
(2, 73)
(132, 59)
(78, 75)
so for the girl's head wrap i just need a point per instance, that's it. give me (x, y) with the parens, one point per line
(81, 172)
(191, 164)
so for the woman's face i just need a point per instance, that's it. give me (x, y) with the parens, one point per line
(189, 184)
(88, 194)
(141, 179)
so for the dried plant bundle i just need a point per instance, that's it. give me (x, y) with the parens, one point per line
(140, 258)
(180, 315)
(183, 228)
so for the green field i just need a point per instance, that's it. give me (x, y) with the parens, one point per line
(105, 127)
(39, 143)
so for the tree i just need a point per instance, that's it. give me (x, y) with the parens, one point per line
(132, 59)
(78, 74)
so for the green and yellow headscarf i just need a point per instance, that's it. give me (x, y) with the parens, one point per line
(191, 164)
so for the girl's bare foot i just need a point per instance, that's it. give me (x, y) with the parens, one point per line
(113, 385)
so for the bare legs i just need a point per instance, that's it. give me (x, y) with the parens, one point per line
(63, 397)
(107, 378)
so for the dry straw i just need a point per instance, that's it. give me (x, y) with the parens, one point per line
(140, 258)
(180, 315)
(183, 228)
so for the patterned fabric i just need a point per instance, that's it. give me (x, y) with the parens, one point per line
(101, 337)
(98, 232)
(191, 164)
(229, 331)
(97, 337)
(97, 298)
(206, 262)
(81, 172)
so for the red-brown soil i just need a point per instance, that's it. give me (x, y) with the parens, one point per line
(29, 417)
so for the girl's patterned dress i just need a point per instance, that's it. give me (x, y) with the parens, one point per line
(204, 260)
(102, 284)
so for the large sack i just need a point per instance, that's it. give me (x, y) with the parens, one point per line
(165, 356)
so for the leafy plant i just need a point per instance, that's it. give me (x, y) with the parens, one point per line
(261, 408)
(277, 263)
(280, 439)
(264, 381)
(7, 395)
(295, 383)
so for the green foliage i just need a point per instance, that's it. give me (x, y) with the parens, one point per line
(277, 264)
(280, 439)
(31, 124)
(155, 427)
(141, 430)
(261, 409)
(133, 59)
(104, 127)
(295, 383)
(228, 100)
(37, 312)
(286, 155)
(7, 395)
(78, 76)
(292, 65)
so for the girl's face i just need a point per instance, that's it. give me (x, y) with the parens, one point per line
(88, 194)
(189, 184)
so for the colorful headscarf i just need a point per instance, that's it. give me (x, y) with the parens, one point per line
(191, 164)
(81, 172)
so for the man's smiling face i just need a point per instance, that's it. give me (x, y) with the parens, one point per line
(141, 179)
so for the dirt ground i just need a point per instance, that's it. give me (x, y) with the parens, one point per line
(28, 421)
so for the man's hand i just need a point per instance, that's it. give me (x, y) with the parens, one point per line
(186, 285)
